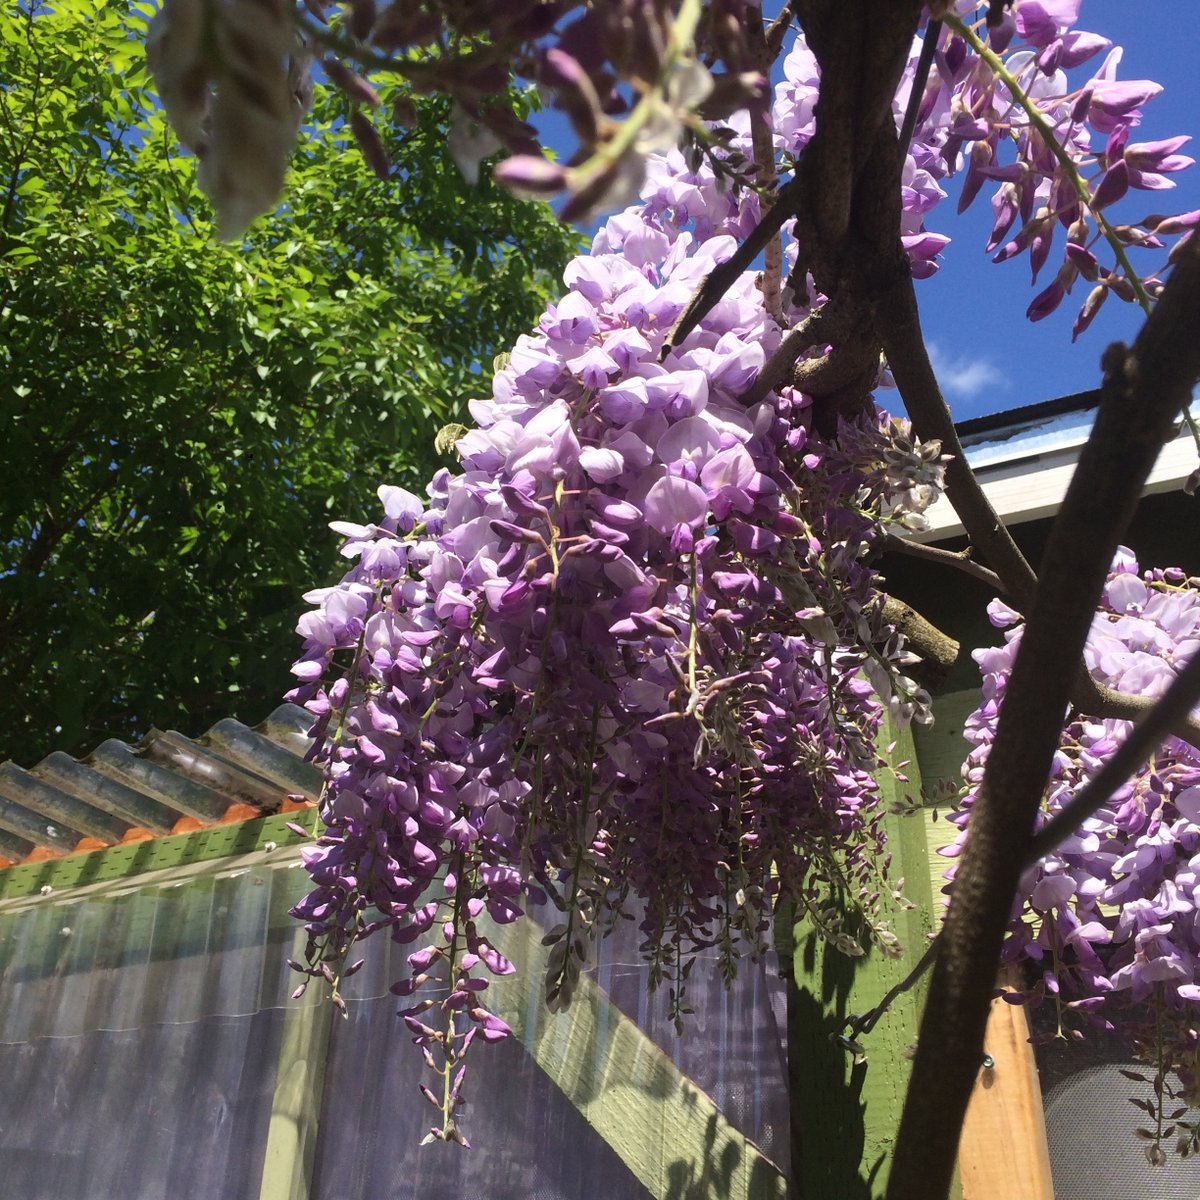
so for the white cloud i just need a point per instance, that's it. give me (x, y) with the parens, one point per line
(962, 376)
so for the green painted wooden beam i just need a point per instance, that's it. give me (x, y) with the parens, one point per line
(667, 1131)
(157, 854)
(941, 751)
(845, 1113)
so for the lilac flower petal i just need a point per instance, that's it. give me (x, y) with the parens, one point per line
(672, 502)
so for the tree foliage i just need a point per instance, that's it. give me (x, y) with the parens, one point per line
(180, 416)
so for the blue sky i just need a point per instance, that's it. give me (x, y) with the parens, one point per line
(988, 356)
(992, 358)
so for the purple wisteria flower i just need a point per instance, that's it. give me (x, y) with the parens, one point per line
(633, 649)
(618, 654)
(1110, 921)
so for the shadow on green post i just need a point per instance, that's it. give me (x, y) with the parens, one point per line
(845, 1110)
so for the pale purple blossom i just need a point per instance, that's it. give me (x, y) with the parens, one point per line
(622, 651)
(1111, 917)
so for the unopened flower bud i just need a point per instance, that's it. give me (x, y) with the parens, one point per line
(530, 176)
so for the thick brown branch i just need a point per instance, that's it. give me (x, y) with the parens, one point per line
(1144, 390)
(899, 327)
(1097, 700)
(777, 369)
(900, 331)
(840, 382)
(938, 650)
(862, 48)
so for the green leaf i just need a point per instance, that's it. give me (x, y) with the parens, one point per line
(447, 436)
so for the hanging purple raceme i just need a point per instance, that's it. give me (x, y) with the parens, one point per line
(633, 649)
(1056, 140)
(619, 655)
(1110, 920)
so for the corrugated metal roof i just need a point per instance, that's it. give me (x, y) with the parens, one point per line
(166, 784)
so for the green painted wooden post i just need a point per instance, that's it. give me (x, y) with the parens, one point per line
(845, 1114)
(290, 1152)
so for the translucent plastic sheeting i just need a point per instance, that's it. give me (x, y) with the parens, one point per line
(163, 1112)
(140, 1035)
(530, 1136)
(170, 953)
(139, 1038)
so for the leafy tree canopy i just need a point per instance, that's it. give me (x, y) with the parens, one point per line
(180, 416)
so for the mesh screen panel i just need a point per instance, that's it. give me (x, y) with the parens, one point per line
(1090, 1123)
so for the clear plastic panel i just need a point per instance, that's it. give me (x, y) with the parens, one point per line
(139, 1037)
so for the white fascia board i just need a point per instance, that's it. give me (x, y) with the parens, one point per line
(1021, 489)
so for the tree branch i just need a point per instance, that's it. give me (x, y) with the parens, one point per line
(776, 371)
(722, 278)
(860, 1023)
(1144, 391)
(1168, 713)
(1163, 719)
(960, 560)
(899, 326)
(938, 651)
(933, 31)
(1098, 700)
(899, 329)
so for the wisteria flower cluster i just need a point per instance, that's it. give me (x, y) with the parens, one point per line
(634, 647)
(1110, 921)
(1003, 106)
(619, 655)
(235, 83)
(1058, 144)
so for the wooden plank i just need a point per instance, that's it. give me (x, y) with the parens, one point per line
(299, 1081)
(845, 1113)
(264, 836)
(665, 1129)
(1003, 1151)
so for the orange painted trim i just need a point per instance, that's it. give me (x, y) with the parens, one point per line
(86, 845)
(239, 812)
(234, 814)
(136, 834)
(41, 854)
(291, 804)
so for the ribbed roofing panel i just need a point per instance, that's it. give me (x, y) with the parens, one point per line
(121, 792)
